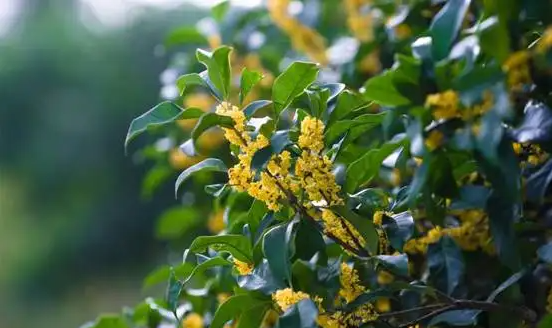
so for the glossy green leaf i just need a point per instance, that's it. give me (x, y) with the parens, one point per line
(367, 167)
(347, 102)
(232, 308)
(248, 80)
(253, 317)
(175, 222)
(276, 249)
(456, 318)
(219, 11)
(355, 127)
(504, 285)
(301, 315)
(545, 322)
(399, 229)
(218, 68)
(445, 27)
(210, 263)
(190, 80)
(237, 245)
(254, 106)
(207, 121)
(209, 165)
(173, 293)
(536, 125)
(261, 279)
(278, 142)
(291, 83)
(446, 265)
(164, 113)
(471, 197)
(395, 263)
(382, 90)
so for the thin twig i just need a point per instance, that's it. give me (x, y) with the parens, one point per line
(427, 316)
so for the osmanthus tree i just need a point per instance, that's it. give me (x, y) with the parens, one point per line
(398, 178)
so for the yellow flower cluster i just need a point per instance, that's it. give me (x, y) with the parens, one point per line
(359, 19)
(545, 41)
(517, 70)
(370, 63)
(350, 283)
(444, 104)
(285, 298)
(312, 134)
(341, 229)
(192, 320)
(350, 290)
(303, 38)
(472, 234)
(215, 223)
(243, 268)
(383, 244)
(533, 153)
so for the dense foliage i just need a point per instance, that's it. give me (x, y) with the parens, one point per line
(398, 176)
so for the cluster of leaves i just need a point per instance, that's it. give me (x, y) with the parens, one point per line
(440, 150)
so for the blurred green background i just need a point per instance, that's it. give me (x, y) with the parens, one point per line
(75, 234)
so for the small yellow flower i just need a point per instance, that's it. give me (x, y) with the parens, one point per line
(518, 149)
(370, 63)
(359, 19)
(215, 224)
(444, 104)
(222, 297)
(403, 31)
(434, 140)
(243, 268)
(341, 229)
(517, 70)
(312, 134)
(285, 298)
(192, 320)
(350, 283)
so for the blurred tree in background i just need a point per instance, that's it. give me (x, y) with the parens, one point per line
(70, 206)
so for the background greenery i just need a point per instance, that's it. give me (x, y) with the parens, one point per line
(75, 234)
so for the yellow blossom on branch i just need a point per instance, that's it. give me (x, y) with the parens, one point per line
(359, 19)
(517, 69)
(444, 105)
(342, 230)
(351, 287)
(434, 139)
(243, 268)
(285, 298)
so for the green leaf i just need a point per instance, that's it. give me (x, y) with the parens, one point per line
(507, 283)
(219, 11)
(445, 263)
(367, 167)
(253, 317)
(163, 274)
(248, 80)
(395, 263)
(207, 121)
(210, 263)
(190, 80)
(261, 279)
(184, 35)
(175, 222)
(254, 106)
(445, 27)
(536, 125)
(355, 128)
(383, 91)
(208, 165)
(173, 293)
(218, 68)
(545, 253)
(301, 315)
(291, 83)
(237, 245)
(276, 249)
(471, 197)
(363, 225)
(399, 229)
(456, 318)
(232, 308)
(110, 321)
(545, 322)
(347, 102)
(318, 101)
(418, 182)
(163, 113)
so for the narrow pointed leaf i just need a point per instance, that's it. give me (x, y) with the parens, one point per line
(210, 165)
